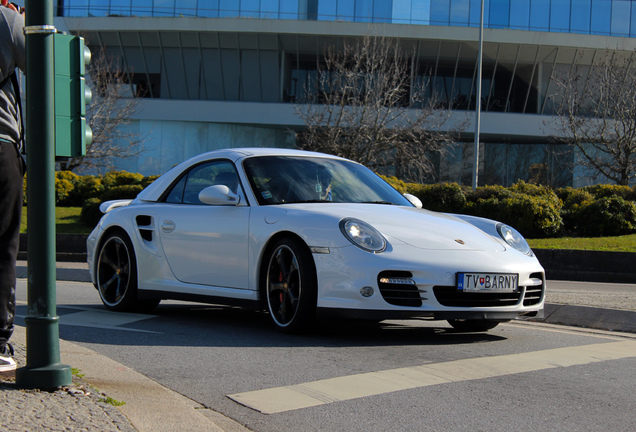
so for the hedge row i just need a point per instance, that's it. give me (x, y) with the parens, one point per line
(88, 192)
(537, 211)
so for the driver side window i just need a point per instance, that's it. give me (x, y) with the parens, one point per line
(186, 190)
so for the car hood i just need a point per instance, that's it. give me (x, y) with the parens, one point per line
(419, 228)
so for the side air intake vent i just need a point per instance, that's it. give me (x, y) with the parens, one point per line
(145, 226)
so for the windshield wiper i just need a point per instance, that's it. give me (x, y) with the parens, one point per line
(377, 202)
(305, 201)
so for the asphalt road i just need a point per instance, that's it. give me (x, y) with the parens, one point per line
(400, 375)
(592, 294)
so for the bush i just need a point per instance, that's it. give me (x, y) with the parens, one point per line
(87, 187)
(608, 216)
(90, 214)
(398, 184)
(607, 191)
(148, 180)
(121, 178)
(564, 193)
(573, 201)
(532, 216)
(530, 189)
(67, 175)
(63, 189)
(65, 182)
(541, 191)
(446, 197)
(488, 192)
(121, 192)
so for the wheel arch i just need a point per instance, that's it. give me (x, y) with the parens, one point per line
(266, 250)
(105, 235)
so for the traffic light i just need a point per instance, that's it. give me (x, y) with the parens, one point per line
(72, 134)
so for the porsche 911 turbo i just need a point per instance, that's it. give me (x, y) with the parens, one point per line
(307, 236)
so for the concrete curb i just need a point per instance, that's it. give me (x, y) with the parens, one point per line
(148, 406)
(70, 271)
(590, 317)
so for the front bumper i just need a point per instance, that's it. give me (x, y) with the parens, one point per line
(345, 273)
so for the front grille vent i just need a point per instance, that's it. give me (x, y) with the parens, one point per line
(452, 297)
(399, 289)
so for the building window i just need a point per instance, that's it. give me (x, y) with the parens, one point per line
(601, 17)
(580, 17)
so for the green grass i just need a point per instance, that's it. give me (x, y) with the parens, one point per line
(76, 373)
(67, 221)
(113, 402)
(626, 243)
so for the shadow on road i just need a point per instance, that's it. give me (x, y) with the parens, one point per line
(185, 324)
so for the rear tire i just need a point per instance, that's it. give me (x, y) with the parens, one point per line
(289, 285)
(117, 275)
(473, 325)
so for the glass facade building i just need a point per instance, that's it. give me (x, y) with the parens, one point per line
(599, 17)
(226, 73)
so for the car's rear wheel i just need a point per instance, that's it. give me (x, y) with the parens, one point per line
(117, 275)
(473, 325)
(290, 285)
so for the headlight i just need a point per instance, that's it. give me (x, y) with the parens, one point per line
(513, 238)
(362, 235)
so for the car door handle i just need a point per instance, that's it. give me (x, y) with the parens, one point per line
(168, 226)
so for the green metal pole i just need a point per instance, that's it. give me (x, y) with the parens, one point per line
(43, 369)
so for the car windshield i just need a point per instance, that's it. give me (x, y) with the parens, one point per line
(291, 179)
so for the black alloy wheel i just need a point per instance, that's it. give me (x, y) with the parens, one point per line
(117, 275)
(290, 286)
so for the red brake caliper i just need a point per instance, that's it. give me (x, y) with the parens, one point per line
(280, 279)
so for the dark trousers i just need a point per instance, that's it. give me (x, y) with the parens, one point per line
(11, 181)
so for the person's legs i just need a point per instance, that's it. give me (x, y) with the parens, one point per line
(11, 178)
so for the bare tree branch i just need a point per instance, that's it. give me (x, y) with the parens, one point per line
(362, 105)
(113, 104)
(596, 109)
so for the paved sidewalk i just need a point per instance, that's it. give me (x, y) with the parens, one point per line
(152, 407)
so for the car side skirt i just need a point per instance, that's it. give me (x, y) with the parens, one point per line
(198, 298)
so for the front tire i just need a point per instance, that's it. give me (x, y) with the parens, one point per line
(473, 325)
(290, 285)
(117, 275)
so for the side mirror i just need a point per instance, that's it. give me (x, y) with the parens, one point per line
(219, 195)
(413, 200)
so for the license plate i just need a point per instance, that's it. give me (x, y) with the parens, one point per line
(488, 282)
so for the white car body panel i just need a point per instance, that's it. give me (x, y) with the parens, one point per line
(206, 245)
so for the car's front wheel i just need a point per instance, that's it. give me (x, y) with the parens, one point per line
(473, 325)
(117, 275)
(290, 285)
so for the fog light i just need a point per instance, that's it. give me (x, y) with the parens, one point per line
(397, 281)
(366, 291)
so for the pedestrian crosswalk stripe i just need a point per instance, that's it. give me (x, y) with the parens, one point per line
(100, 318)
(305, 395)
(96, 318)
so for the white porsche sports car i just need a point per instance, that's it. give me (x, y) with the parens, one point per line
(304, 235)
